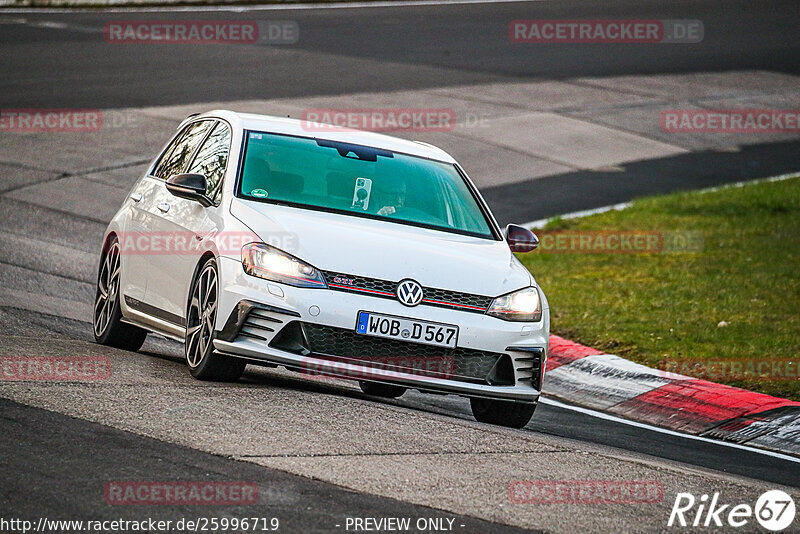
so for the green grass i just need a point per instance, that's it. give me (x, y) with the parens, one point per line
(667, 307)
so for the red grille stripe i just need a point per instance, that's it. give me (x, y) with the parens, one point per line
(353, 288)
(454, 304)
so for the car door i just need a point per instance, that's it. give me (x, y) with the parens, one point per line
(136, 237)
(133, 278)
(189, 224)
(151, 243)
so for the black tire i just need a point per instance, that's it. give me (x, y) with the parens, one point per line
(201, 314)
(107, 315)
(381, 390)
(502, 413)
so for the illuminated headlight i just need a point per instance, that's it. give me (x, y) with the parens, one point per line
(523, 305)
(264, 261)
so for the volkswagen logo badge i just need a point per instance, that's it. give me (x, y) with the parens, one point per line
(409, 292)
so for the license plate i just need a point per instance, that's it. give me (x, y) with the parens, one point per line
(389, 326)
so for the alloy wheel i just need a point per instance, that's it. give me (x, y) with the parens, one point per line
(202, 316)
(107, 289)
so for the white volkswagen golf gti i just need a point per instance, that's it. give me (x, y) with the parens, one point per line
(271, 241)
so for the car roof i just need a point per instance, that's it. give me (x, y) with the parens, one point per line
(303, 128)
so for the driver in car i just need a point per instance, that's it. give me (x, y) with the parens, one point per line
(394, 198)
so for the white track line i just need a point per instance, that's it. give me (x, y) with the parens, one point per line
(539, 223)
(119, 8)
(577, 214)
(608, 417)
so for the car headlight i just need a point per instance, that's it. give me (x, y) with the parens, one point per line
(265, 261)
(523, 305)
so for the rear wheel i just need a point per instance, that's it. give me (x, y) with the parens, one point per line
(502, 413)
(381, 390)
(108, 326)
(204, 363)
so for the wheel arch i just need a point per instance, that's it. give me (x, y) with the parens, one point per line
(207, 255)
(110, 236)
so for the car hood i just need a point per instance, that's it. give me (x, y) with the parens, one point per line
(386, 250)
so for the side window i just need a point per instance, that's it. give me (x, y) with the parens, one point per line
(212, 158)
(177, 155)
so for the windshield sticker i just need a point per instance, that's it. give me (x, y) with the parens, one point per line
(259, 193)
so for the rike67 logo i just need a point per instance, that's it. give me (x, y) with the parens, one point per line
(774, 510)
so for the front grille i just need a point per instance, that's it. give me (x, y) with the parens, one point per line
(349, 282)
(341, 344)
(375, 287)
(441, 296)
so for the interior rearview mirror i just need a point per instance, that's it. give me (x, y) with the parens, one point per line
(190, 187)
(521, 239)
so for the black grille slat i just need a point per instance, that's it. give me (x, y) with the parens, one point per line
(258, 326)
(264, 317)
(386, 289)
(439, 362)
(250, 334)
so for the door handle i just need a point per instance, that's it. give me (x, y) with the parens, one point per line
(163, 206)
(136, 197)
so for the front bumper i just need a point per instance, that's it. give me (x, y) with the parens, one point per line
(278, 308)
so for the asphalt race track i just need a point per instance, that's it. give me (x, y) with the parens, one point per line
(320, 451)
(406, 47)
(60, 61)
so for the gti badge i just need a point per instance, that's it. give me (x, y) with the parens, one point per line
(409, 292)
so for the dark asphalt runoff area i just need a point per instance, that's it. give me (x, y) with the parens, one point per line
(465, 43)
(343, 51)
(56, 466)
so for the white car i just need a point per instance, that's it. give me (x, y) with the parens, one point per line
(271, 241)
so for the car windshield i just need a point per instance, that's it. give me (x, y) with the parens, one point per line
(359, 180)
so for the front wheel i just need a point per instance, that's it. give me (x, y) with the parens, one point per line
(204, 363)
(503, 413)
(107, 321)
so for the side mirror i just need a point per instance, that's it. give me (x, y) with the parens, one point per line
(520, 239)
(190, 187)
